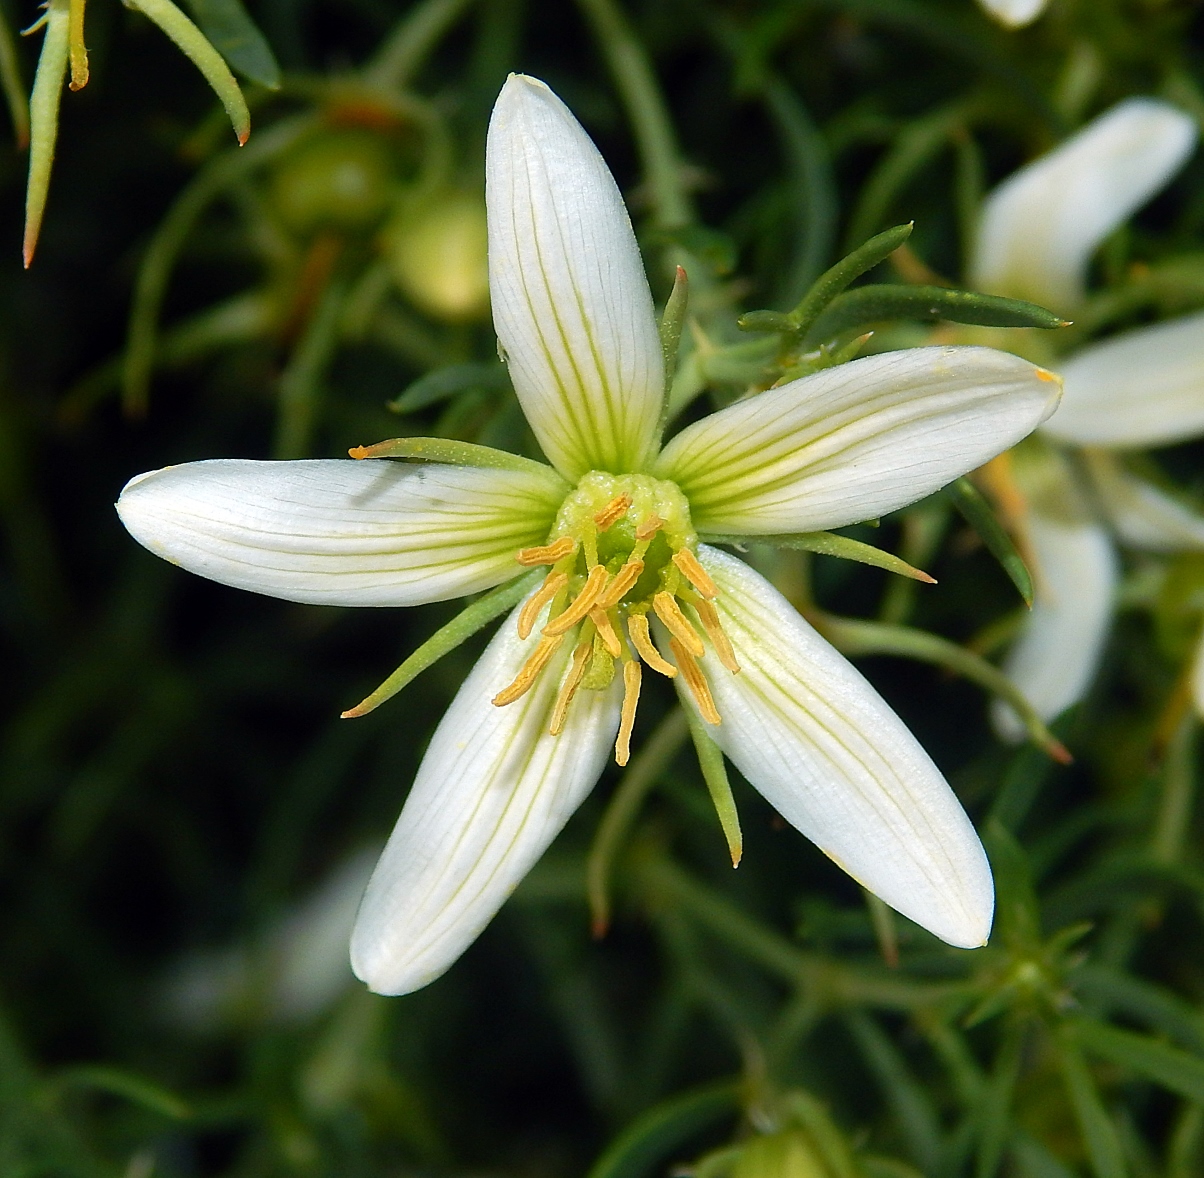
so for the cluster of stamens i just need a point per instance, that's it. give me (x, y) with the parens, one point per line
(610, 569)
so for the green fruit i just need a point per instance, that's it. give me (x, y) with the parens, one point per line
(338, 179)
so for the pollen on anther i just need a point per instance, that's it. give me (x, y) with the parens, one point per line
(649, 527)
(695, 573)
(613, 511)
(569, 688)
(631, 698)
(606, 631)
(526, 677)
(552, 585)
(625, 578)
(637, 627)
(708, 615)
(547, 553)
(677, 623)
(696, 681)
(595, 583)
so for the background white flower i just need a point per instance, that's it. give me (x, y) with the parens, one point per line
(1144, 387)
(618, 523)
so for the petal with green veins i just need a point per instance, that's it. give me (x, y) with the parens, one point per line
(338, 532)
(856, 441)
(571, 303)
(1056, 656)
(1140, 388)
(835, 761)
(492, 792)
(1039, 228)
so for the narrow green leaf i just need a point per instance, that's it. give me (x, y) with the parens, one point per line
(195, 46)
(645, 1145)
(1017, 916)
(671, 323)
(1165, 1065)
(238, 39)
(451, 451)
(710, 246)
(833, 281)
(855, 637)
(894, 300)
(996, 1109)
(133, 1088)
(640, 776)
(977, 512)
(44, 119)
(1095, 1126)
(12, 84)
(765, 321)
(714, 772)
(444, 640)
(1106, 989)
(444, 383)
(830, 544)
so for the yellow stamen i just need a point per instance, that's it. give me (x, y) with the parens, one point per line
(585, 601)
(695, 573)
(708, 615)
(631, 698)
(637, 627)
(649, 527)
(677, 623)
(613, 511)
(531, 668)
(606, 631)
(569, 688)
(547, 553)
(624, 579)
(552, 585)
(696, 681)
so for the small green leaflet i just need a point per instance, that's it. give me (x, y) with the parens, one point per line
(237, 38)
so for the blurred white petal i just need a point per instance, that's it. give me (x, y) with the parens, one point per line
(1197, 678)
(1056, 656)
(828, 753)
(1040, 227)
(1142, 515)
(1015, 14)
(855, 441)
(570, 299)
(492, 792)
(1141, 388)
(341, 532)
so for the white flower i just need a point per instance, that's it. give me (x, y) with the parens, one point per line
(1145, 387)
(1014, 14)
(619, 522)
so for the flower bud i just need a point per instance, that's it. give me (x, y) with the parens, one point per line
(438, 257)
(788, 1154)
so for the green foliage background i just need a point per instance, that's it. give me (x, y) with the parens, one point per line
(175, 782)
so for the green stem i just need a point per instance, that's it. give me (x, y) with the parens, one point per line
(44, 120)
(412, 39)
(624, 805)
(636, 82)
(10, 80)
(714, 772)
(1178, 794)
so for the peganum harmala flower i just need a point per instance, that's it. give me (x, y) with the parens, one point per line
(619, 523)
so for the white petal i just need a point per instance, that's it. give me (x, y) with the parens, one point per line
(1015, 14)
(835, 761)
(1141, 514)
(571, 303)
(1039, 228)
(335, 532)
(1056, 656)
(1197, 678)
(1141, 388)
(492, 792)
(855, 441)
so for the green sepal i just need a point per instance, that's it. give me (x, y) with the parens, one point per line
(451, 452)
(238, 39)
(44, 119)
(976, 511)
(444, 640)
(714, 772)
(445, 383)
(892, 300)
(830, 544)
(671, 323)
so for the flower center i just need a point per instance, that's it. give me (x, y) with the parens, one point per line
(622, 549)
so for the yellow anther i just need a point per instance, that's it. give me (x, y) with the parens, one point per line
(649, 527)
(695, 573)
(625, 578)
(677, 623)
(552, 585)
(543, 652)
(637, 627)
(631, 699)
(606, 631)
(696, 681)
(547, 553)
(595, 583)
(613, 511)
(708, 615)
(569, 687)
